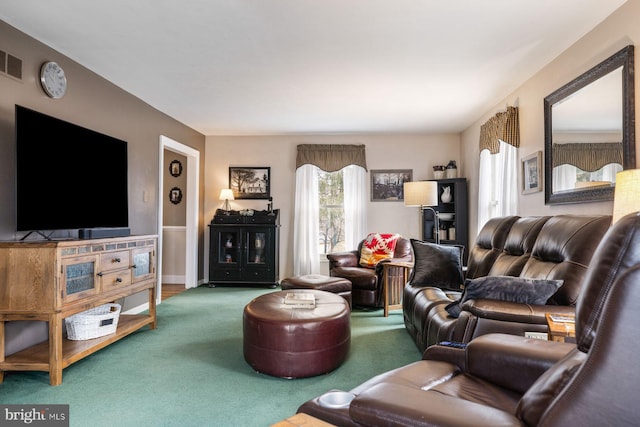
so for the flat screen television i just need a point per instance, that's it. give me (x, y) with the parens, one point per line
(68, 177)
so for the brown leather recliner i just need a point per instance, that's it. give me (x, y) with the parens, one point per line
(557, 247)
(366, 282)
(506, 380)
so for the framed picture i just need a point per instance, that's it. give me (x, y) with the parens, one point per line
(387, 184)
(532, 173)
(175, 195)
(250, 182)
(175, 168)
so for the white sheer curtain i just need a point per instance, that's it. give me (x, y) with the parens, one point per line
(610, 171)
(498, 183)
(306, 258)
(565, 176)
(355, 205)
(306, 230)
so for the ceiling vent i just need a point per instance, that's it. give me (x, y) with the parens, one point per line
(10, 65)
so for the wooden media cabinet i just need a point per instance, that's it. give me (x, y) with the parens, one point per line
(51, 280)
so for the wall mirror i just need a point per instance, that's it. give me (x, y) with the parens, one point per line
(589, 132)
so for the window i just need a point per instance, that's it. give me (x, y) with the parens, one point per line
(568, 177)
(498, 176)
(497, 193)
(330, 214)
(331, 219)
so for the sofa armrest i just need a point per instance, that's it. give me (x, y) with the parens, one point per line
(512, 311)
(398, 405)
(343, 259)
(511, 361)
(447, 353)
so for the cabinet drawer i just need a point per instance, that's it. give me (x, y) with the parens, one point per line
(262, 274)
(116, 279)
(114, 260)
(226, 274)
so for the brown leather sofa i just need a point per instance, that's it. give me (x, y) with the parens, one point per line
(366, 283)
(556, 247)
(506, 380)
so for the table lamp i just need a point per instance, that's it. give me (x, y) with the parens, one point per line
(627, 194)
(425, 195)
(226, 194)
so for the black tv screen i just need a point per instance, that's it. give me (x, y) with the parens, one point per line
(68, 177)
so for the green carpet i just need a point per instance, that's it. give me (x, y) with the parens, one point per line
(191, 371)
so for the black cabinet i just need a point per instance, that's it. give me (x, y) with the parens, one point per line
(243, 249)
(453, 214)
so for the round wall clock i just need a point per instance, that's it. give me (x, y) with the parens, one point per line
(53, 80)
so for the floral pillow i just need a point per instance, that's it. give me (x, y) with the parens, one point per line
(377, 247)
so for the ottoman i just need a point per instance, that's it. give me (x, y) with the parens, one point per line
(291, 342)
(337, 285)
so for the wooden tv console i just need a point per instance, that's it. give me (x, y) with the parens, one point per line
(51, 280)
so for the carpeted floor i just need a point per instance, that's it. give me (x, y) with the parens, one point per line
(191, 371)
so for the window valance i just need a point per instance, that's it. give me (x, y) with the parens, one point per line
(503, 126)
(331, 157)
(588, 156)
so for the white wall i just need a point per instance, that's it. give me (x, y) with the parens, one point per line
(617, 31)
(417, 152)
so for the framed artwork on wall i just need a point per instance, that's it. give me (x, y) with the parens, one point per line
(387, 184)
(175, 168)
(175, 195)
(249, 182)
(532, 173)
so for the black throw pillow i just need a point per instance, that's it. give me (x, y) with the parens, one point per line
(436, 265)
(506, 288)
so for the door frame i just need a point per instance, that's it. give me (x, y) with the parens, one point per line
(192, 196)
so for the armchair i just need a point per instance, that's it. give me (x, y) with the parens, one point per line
(506, 380)
(366, 282)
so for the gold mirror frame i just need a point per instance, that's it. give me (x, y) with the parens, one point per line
(624, 59)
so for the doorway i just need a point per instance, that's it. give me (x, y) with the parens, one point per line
(191, 197)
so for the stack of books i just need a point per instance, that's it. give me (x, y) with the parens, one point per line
(299, 300)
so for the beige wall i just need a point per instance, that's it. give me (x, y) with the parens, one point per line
(619, 30)
(97, 104)
(417, 152)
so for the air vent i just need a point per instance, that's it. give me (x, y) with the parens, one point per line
(10, 65)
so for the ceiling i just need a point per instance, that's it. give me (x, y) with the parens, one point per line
(242, 67)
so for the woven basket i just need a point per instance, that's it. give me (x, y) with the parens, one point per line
(93, 323)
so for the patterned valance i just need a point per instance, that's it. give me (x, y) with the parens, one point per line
(331, 157)
(503, 126)
(588, 156)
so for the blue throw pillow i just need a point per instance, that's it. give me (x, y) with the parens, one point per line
(506, 288)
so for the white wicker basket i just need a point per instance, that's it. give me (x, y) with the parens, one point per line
(93, 323)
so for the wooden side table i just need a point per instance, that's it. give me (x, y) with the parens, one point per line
(559, 328)
(393, 283)
(302, 420)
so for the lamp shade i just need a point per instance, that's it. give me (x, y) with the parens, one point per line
(226, 194)
(627, 193)
(421, 193)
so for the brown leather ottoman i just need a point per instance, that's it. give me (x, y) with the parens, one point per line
(336, 285)
(296, 342)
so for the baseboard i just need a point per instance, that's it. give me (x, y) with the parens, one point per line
(173, 279)
(137, 309)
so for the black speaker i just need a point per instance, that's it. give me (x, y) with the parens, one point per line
(100, 233)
